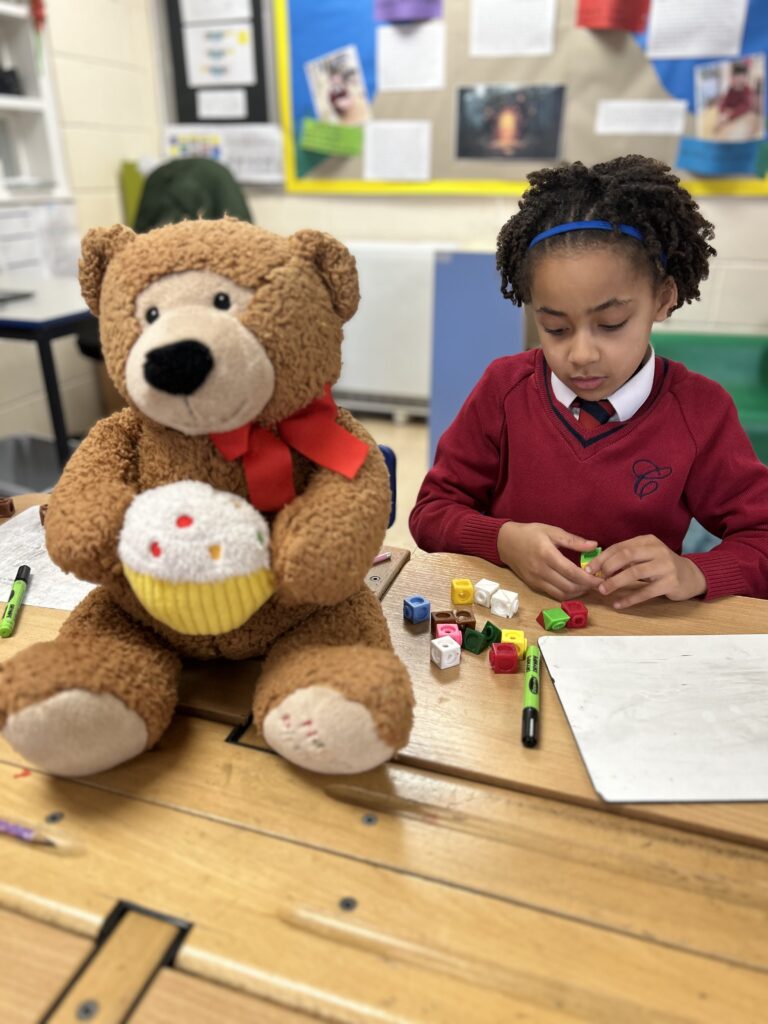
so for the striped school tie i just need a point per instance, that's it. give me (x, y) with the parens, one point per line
(592, 415)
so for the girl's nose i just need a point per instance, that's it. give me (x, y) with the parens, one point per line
(583, 351)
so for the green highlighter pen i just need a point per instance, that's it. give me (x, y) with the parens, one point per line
(8, 621)
(531, 696)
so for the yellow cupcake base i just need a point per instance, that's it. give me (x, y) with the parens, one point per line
(203, 609)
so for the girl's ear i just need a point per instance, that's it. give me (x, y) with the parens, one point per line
(666, 301)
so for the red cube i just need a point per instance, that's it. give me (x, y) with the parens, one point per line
(503, 658)
(579, 615)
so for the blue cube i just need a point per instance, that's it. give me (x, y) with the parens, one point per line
(416, 608)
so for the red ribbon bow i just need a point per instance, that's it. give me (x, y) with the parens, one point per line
(312, 431)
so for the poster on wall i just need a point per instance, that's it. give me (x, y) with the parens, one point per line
(218, 60)
(337, 87)
(730, 99)
(509, 121)
(219, 54)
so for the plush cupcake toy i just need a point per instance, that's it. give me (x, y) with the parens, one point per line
(196, 558)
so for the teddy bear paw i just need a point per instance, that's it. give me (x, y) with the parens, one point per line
(318, 729)
(76, 732)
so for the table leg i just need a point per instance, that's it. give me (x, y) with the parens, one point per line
(54, 398)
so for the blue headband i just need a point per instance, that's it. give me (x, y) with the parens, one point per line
(594, 225)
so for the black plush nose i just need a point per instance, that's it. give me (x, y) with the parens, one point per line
(179, 368)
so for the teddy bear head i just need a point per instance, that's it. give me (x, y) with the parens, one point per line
(208, 325)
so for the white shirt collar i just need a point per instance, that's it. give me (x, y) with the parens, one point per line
(626, 400)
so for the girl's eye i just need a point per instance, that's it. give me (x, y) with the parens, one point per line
(152, 314)
(221, 300)
(555, 330)
(613, 327)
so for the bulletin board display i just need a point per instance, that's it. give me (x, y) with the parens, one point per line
(218, 61)
(562, 92)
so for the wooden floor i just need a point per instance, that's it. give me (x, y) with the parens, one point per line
(470, 881)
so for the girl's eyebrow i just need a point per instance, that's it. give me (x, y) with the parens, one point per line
(595, 309)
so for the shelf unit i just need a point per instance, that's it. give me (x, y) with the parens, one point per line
(30, 146)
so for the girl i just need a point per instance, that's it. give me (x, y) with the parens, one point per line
(592, 438)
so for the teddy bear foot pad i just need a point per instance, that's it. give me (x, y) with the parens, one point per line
(318, 729)
(77, 732)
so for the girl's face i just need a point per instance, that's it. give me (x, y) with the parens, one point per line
(594, 314)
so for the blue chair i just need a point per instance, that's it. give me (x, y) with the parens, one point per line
(391, 461)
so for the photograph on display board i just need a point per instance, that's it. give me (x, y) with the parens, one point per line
(509, 121)
(730, 99)
(337, 86)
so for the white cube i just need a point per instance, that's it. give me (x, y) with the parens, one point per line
(445, 652)
(484, 591)
(505, 602)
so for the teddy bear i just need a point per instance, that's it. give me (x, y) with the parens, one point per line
(231, 510)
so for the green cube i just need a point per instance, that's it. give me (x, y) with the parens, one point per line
(474, 641)
(587, 556)
(554, 619)
(492, 633)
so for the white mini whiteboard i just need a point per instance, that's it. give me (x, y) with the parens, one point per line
(667, 718)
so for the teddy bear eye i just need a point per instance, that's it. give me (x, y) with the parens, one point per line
(152, 314)
(221, 300)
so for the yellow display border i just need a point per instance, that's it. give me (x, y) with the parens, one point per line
(437, 187)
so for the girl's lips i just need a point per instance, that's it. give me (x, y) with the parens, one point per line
(587, 383)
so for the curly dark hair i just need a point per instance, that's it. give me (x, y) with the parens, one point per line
(634, 190)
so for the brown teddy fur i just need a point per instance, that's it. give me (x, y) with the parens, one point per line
(332, 696)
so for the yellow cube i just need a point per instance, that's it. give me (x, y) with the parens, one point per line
(516, 637)
(462, 592)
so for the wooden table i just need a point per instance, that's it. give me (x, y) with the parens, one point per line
(471, 880)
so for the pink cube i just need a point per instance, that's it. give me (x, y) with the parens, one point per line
(450, 629)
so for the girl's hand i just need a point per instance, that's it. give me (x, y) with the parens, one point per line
(651, 568)
(531, 550)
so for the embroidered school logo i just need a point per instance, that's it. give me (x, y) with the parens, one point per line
(647, 476)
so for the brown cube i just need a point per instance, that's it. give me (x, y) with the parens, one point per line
(464, 618)
(441, 619)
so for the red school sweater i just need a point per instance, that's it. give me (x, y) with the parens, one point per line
(513, 452)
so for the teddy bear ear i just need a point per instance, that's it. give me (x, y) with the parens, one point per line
(98, 247)
(336, 266)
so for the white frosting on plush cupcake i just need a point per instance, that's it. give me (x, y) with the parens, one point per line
(189, 532)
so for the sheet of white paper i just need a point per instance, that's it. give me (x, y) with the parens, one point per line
(221, 104)
(22, 542)
(666, 718)
(512, 28)
(219, 54)
(640, 117)
(410, 55)
(214, 10)
(252, 152)
(397, 150)
(696, 28)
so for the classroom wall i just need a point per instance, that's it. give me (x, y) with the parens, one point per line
(104, 70)
(108, 78)
(734, 298)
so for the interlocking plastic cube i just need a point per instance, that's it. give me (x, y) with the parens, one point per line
(440, 619)
(462, 591)
(464, 618)
(552, 619)
(484, 591)
(578, 614)
(445, 652)
(416, 608)
(492, 632)
(450, 629)
(516, 637)
(586, 557)
(474, 641)
(503, 658)
(505, 603)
